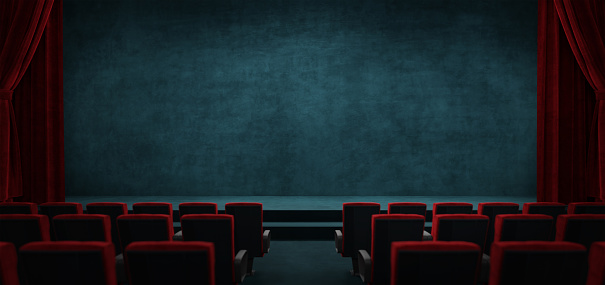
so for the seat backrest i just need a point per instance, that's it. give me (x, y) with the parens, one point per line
(153, 208)
(52, 209)
(8, 264)
(451, 208)
(68, 262)
(165, 262)
(436, 262)
(407, 208)
(144, 227)
(113, 210)
(461, 227)
(581, 228)
(552, 209)
(248, 225)
(219, 230)
(537, 262)
(586, 208)
(197, 208)
(523, 227)
(18, 208)
(491, 210)
(82, 227)
(596, 264)
(357, 227)
(20, 229)
(387, 228)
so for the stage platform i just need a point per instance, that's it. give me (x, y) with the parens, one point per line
(301, 217)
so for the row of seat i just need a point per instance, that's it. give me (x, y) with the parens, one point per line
(366, 235)
(437, 262)
(246, 238)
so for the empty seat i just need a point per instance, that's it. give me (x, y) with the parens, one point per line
(165, 262)
(586, 208)
(582, 228)
(153, 208)
(434, 263)
(491, 210)
(375, 268)
(356, 230)
(537, 262)
(596, 264)
(410, 208)
(20, 229)
(552, 209)
(249, 232)
(218, 229)
(407, 208)
(8, 264)
(144, 227)
(141, 227)
(523, 227)
(451, 208)
(113, 210)
(464, 227)
(68, 262)
(82, 227)
(52, 209)
(18, 208)
(197, 208)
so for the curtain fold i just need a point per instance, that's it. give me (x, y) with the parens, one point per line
(23, 23)
(582, 21)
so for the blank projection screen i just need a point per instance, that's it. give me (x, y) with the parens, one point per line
(330, 97)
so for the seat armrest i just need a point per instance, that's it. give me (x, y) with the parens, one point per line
(178, 236)
(121, 269)
(365, 265)
(266, 241)
(240, 265)
(338, 240)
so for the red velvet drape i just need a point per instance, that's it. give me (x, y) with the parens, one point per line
(568, 165)
(23, 23)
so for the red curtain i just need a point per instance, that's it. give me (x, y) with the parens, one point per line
(23, 25)
(568, 154)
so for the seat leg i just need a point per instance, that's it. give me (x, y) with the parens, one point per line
(355, 271)
(250, 271)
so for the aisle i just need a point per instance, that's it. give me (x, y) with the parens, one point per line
(302, 262)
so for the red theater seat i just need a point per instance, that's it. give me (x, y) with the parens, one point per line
(153, 208)
(113, 210)
(219, 230)
(451, 208)
(82, 227)
(537, 262)
(596, 260)
(464, 227)
(375, 267)
(523, 227)
(20, 229)
(582, 228)
(586, 208)
(552, 209)
(356, 230)
(141, 227)
(165, 262)
(492, 210)
(434, 263)
(249, 232)
(8, 264)
(410, 208)
(197, 208)
(18, 208)
(68, 262)
(52, 209)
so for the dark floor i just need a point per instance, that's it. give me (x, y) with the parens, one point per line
(302, 262)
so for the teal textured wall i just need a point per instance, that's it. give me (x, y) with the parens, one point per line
(332, 97)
